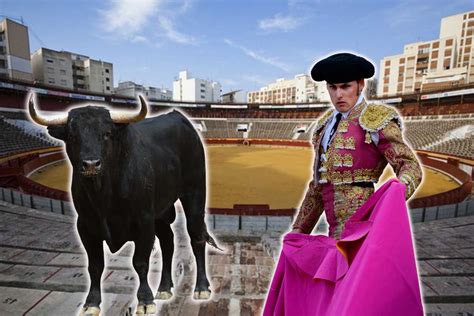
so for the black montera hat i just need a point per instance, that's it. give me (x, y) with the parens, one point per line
(342, 67)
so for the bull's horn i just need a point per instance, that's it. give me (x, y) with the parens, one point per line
(41, 120)
(124, 118)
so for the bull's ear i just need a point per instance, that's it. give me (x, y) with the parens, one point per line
(58, 131)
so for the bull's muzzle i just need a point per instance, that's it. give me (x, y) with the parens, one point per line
(91, 168)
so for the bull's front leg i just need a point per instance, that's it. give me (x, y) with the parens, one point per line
(95, 253)
(141, 259)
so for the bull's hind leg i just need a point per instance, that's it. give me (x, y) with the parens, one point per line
(165, 235)
(194, 209)
(141, 259)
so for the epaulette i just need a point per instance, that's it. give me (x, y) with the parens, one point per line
(375, 117)
(323, 119)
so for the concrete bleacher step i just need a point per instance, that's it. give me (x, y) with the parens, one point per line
(17, 301)
(42, 270)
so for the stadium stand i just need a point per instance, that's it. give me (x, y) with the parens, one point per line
(14, 139)
(433, 119)
(458, 147)
(431, 132)
(450, 134)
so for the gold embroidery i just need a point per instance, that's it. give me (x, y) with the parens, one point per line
(339, 142)
(323, 119)
(401, 158)
(349, 143)
(337, 160)
(374, 117)
(323, 177)
(347, 160)
(310, 210)
(324, 166)
(336, 177)
(355, 112)
(347, 200)
(357, 175)
(343, 126)
(368, 139)
(347, 176)
(316, 136)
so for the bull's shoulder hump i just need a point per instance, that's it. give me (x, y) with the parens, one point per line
(181, 117)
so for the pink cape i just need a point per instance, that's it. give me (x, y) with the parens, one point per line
(371, 270)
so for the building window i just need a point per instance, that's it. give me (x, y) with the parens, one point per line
(203, 91)
(62, 72)
(106, 70)
(425, 50)
(49, 60)
(63, 82)
(50, 80)
(108, 88)
(107, 79)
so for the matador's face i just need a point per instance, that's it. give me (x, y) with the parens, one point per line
(344, 95)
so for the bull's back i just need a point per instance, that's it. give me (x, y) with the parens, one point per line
(170, 129)
(173, 133)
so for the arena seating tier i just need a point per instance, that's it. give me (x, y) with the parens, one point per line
(422, 132)
(14, 140)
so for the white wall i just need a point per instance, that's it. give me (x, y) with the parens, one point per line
(186, 88)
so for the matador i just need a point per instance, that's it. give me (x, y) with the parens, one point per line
(353, 142)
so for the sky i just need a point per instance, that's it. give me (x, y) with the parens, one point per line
(241, 44)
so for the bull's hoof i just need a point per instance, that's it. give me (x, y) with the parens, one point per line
(164, 295)
(202, 295)
(149, 309)
(90, 311)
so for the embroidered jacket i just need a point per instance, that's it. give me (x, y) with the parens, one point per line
(364, 142)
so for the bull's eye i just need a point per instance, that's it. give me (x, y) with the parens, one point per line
(107, 135)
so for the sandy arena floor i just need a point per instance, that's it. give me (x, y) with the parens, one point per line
(255, 175)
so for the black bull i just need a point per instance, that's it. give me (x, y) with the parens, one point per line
(126, 178)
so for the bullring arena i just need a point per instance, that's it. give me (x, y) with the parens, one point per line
(256, 174)
(259, 163)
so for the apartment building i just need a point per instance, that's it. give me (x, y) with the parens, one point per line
(72, 71)
(186, 88)
(297, 90)
(236, 96)
(14, 51)
(131, 89)
(442, 63)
